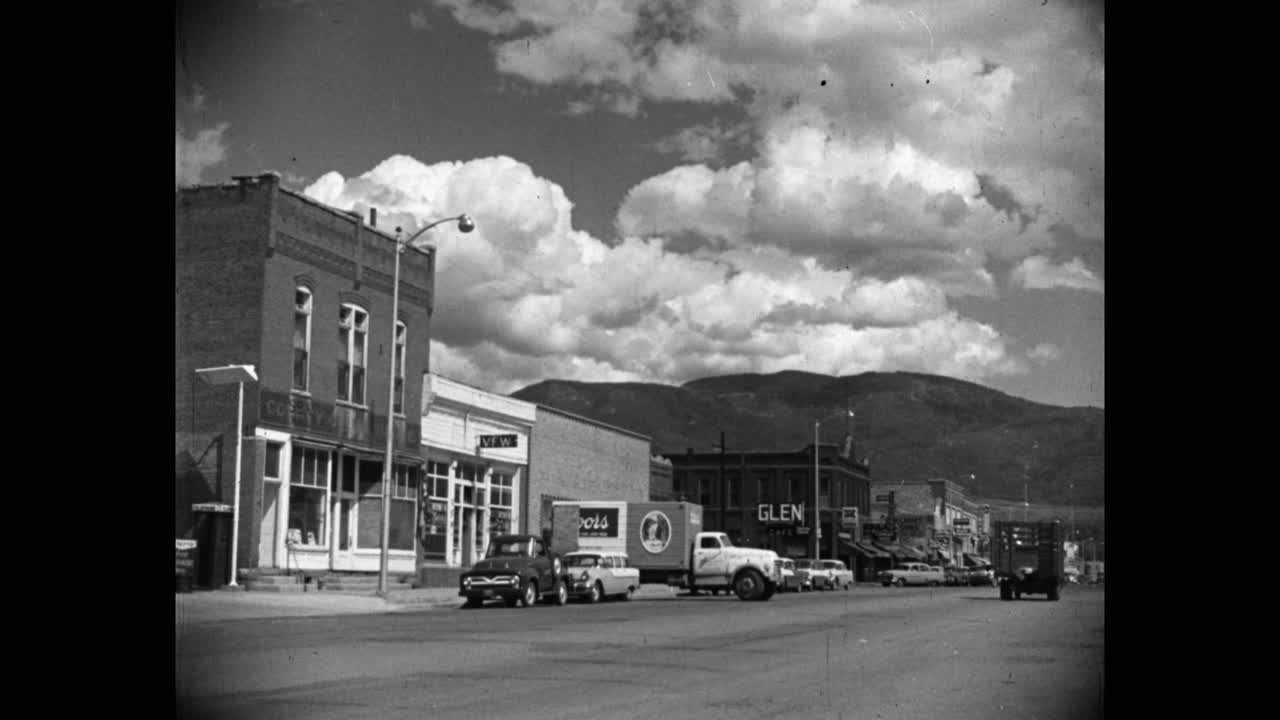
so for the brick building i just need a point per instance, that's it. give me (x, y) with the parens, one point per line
(575, 458)
(302, 291)
(769, 498)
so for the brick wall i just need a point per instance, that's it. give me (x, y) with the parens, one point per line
(220, 238)
(574, 458)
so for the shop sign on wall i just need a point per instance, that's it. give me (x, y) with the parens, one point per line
(498, 441)
(849, 516)
(598, 522)
(185, 559)
(785, 513)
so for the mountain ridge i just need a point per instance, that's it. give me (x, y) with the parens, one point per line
(910, 425)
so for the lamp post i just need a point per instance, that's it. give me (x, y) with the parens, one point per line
(466, 225)
(225, 375)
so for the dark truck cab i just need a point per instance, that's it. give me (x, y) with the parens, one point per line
(1028, 558)
(518, 569)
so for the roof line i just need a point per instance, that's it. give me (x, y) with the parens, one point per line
(592, 421)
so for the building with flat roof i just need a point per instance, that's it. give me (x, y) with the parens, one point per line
(768, 498)
(302, 291)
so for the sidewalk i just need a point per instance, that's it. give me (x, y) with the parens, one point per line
(226, 604)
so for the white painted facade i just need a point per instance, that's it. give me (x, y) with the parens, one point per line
(477, 489)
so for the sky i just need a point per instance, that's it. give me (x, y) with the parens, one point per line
(669, 190)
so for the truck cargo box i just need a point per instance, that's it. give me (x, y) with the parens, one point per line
(656, 536)
(1028, 557)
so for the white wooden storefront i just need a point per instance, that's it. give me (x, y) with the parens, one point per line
(476, 489)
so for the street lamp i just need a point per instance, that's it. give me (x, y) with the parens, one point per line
(225, 375)
(466, 225)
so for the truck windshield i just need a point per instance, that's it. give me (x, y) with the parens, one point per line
(724, 541)
(582, 560)
(510, 548)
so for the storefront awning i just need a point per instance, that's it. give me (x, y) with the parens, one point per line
(944, 554)
(912, 553)
(975, 561)
(866, 550)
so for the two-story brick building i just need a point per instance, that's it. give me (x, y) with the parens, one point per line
(302, 291)
(768, 498)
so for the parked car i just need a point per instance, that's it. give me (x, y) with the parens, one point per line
(813, 573)
(956, 576)
(912, 573)
(838, 575)
(984, 576)
(791, 579)
(597, 575)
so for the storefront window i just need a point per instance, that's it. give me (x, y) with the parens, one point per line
(404, 498)
(433, 508)
(308, 494)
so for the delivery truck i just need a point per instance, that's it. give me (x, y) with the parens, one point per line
(666, 542)
(1028, 558)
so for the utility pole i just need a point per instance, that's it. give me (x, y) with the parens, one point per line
(817, 517)
(724, 490)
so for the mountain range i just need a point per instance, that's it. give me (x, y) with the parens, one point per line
(908, 426)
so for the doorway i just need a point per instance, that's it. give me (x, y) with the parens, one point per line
(344, 514)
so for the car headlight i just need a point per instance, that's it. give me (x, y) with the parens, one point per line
(466, 582)
(584, 577)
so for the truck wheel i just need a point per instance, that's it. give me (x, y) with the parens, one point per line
(768, 592)
(749, 585)
(597, 592)
(530, 594)
(1006, 592)
(900, 582)
(562, 593)
(1053, 594)
(474, 602)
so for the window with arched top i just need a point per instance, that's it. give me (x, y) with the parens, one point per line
(353, 344)
(301, 339)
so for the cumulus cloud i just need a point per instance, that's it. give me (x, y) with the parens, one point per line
(1039, 273)
(526, 296)
(1044, 353)
(912, 123)
(195, 155)
(703, 143)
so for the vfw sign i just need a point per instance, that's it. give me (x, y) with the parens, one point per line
(780, 512)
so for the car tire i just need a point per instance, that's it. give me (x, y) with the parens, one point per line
(561, 594)
(474, 603)
(749, 585)
(627, 595)
(900, 582)
(530, 594)
(1053, 595)
(596, 593)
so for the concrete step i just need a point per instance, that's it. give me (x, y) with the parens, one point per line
(275, 580)
(273, 588)
(370, 590)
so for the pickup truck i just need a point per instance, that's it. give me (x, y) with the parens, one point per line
(912, 574)
(517, 569)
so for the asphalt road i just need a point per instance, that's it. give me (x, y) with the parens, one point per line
(873, 652)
